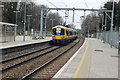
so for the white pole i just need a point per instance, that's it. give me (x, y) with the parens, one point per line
(15, 27)
(24, 22)
(16, 12)
(29, 24)
(111, 28)
(45, 26)
(41, 24)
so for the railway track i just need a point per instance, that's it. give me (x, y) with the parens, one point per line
(18, 50)
(25, 54)
(31, 74)
(12, 62)
(31, 66)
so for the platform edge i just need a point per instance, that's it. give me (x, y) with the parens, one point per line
(68, 62)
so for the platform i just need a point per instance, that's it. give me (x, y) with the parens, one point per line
(19, 41)
(94, 59)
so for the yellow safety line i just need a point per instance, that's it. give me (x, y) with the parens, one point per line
(81, 61)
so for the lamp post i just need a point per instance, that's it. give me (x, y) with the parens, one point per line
(102, 21)
(82, 18)
(52, 21)
(45, 24)
(16, 12)
(104, 24)
(29, 23)
(24, 21)
(102, 17)
(105, 20)
(105, 16)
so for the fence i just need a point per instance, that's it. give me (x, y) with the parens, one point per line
(109, 37)
(36, 34)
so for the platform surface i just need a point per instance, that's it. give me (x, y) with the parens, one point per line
(94, 59)
(19, 41)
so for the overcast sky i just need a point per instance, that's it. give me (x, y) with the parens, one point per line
(95, 4)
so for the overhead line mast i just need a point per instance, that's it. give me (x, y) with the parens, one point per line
(79, 9)
(86, 4)
(73, 9)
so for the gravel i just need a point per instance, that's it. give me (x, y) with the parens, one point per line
(19, 60)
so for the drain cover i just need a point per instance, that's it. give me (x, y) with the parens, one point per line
(98, 50)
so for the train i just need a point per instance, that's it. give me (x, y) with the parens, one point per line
(63, 35)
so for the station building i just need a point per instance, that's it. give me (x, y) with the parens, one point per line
(7, 32)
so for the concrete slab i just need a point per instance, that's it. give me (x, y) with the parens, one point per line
(103, 65)
(93, 60)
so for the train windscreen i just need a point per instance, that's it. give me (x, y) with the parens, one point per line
(62, 32)
(58, 31)
(54, 31)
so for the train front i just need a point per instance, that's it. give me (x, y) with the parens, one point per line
(59, 35)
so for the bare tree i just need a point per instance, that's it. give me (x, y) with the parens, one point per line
(57, 20)
(90, 24)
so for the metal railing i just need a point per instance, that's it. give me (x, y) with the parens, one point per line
(109, 37)
(36, 34)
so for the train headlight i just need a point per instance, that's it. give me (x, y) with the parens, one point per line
(53, 36)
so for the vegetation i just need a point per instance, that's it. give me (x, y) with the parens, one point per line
(93, 21)
(31, 9)
(90, 23)
(116, 20)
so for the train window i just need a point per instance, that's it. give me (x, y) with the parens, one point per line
(62, 32)
(67, 32)
(74, 33)
(70, 32)
(54, 31)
